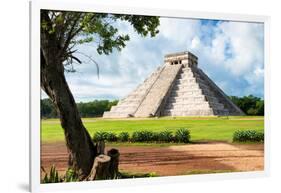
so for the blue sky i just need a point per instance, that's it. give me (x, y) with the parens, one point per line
(231, 53)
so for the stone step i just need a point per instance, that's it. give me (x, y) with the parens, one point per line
(217, 106)
(190, 85)
(203, 86)
(109, 114)
(193, 104)
(208, 92)
(223, 112)
(190, 98)
(188, 75)
(188, 104)
(210, 97)
(198, 112)
(186, 92)
(122, 108)
(185, 81)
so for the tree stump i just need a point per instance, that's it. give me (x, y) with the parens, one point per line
(105, 166)
(114, 162)
(100, 170)
(102, 167)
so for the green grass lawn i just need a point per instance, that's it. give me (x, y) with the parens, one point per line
(201, 128)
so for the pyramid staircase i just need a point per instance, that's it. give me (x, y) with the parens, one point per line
(191, 96)
(179, 88)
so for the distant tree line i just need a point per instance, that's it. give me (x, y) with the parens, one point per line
(94, 108)
(250, 105)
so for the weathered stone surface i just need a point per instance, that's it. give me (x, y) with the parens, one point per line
(151, 102)
(127, 106)
(178, 88)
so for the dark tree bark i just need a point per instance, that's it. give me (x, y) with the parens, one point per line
(100, 146)
(114, 162)
(80, 146)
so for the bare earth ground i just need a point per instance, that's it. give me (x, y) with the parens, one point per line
(172, 160)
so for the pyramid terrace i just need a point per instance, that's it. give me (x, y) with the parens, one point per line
(177, 88)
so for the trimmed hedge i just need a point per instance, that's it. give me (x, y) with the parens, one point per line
(248, 136)
(181, 136)
(105, 136)
(123, 136)
(111, 137)
(165, 136)
(143, 136)
(100, 136)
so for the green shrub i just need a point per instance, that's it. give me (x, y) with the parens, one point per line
(260, 136)
(248, 136)
(182, 135)
(111, 137)
(123, 136)
(70, 176)
(155, 136)
(165, 136)
(143, 136)
(100, 136)
(104, 136)
(53, 176)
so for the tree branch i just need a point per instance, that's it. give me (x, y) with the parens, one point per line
(69, 36)
(89, 57)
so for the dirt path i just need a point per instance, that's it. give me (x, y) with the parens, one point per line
(172, 160)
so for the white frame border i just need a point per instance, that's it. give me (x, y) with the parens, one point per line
(35, 121)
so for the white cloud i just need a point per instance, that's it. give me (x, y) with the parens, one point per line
(179, 32)
(246, 46)
(230, 52)
(236, 49)
(195, 43)
(256, 77)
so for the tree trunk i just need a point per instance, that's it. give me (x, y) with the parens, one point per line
(114, 162)
(80, 146)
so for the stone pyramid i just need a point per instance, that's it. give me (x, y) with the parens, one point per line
(178, 88)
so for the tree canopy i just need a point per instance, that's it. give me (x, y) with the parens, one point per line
(250, 105)
(70, 29)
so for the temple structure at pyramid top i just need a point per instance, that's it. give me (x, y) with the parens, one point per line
(177, 88)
